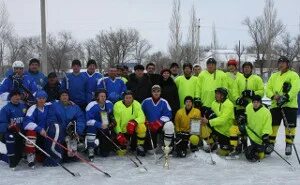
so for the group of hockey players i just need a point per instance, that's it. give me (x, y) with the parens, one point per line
(144, 112)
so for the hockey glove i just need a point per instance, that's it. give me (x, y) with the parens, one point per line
(14, 128)
(266, 142)
(131, 125)
(154, 126)
(210, 114)
(286, 87)
(121, 139)
(198, 103)
(248, 93)
(242, 102)
(282, 100)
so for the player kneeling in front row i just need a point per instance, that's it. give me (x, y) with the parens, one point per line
(35, 126)
(158, 114)
(130, 124)
(258, 129)
(218, 122)
(100, 119)
(184, 119)
(66, 125)
(11, 119)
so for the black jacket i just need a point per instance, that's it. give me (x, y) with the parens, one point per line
(141, 88)
(169, 92)
(53, 92)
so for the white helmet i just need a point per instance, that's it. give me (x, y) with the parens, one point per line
(18, 64)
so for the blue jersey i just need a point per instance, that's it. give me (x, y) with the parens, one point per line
(64, 114)
(114, 88)
(12, 113)
(36, 119)
(94, 113)
(157, 111)
(21, 84)
(39, 78)
(92, 84)
(77, 86)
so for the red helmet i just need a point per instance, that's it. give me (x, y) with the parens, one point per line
(232, 62)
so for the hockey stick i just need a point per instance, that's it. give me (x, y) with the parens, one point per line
(137, 158)
(136, 164)
(48, 155)
(289, 130)
(152, 144)
(273, 149)
(211, 158)
(78, 156)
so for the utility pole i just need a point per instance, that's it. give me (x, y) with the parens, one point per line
(198, 40)
(239, 55)
(43, 35)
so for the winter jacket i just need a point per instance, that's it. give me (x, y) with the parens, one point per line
(124, 114)
(225, 116)
(183, 120)
(169, 92)
(186, 87)
(275, 84)
(208, 83)
(259, 121)
(53, 92)
(141, 88)
(12, 112)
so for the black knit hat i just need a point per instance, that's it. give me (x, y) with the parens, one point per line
(139, 67)
(211, 61)
(283, 59)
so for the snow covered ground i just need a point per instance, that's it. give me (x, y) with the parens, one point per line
(195, 169)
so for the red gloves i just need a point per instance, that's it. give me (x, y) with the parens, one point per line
(154, 126)
(121, 139)
(13, 127)
(131, 125)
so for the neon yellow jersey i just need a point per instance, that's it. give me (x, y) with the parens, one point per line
(123, 114)
(275, 84)
(186, 87)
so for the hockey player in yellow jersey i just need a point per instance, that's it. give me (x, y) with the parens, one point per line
(283, 88)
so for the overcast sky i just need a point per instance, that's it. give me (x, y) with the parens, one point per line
(84, 18)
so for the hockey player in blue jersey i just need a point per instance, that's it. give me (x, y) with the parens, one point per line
(92, 77)
(114, 87)
(158, 119)
(99, 116)
(77, 85)
(35, 125)
(66, 124)
(11, 118)
(33, 71)
(19, 81)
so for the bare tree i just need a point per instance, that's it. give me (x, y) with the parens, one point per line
(94, 50)
(6, 29)
(175, 49)
(61, 50)
(141, 50)
(264, 30)
(239, 50)
(289, 47)
(191, 48)
(160, 60)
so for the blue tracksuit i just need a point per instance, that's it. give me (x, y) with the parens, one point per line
(14, 142)
(36, 119)
(10, 83)
(114, 88)
(160, 111)
(94, 119)
(39, 78)
(92, 84)
(12, 112)
(77, 85)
